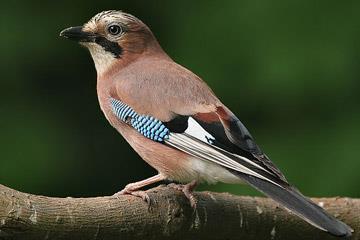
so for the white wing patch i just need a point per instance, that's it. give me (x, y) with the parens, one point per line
(194, 129)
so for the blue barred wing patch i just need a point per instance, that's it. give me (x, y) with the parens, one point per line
(122, 111)
(148, 126)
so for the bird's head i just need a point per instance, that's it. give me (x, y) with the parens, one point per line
(113, 36)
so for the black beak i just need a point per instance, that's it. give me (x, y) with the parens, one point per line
(77, 34)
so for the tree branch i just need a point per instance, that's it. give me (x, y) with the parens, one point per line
(218, 216)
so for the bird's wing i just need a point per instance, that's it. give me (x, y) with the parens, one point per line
(220, 138)
(204, 141)
(172, 94)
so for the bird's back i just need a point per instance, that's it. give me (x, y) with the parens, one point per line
(161, 87)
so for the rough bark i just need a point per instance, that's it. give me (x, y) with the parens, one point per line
(218, 216)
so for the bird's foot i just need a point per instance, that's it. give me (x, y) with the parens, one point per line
(141, 194)
(133, 188)
(137, 193)
(187, 189)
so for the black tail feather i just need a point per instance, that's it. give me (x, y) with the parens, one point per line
(293, 200)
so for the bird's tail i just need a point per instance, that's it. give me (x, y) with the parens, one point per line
(294, 201)
(258, 177)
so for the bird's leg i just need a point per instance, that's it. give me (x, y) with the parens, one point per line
(133, 188)
(187, 189)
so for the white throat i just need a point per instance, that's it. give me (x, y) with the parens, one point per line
(102, 59)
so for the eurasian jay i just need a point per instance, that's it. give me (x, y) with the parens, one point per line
(175, 122)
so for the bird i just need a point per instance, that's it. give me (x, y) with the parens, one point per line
(176, 123)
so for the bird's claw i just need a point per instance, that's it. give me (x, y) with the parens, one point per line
(187, 189)
(141, 194)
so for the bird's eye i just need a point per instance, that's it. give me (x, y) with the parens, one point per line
(114, 30)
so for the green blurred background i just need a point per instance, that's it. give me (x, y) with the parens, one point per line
(288, 69)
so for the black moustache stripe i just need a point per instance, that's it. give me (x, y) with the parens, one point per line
(110, 46)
